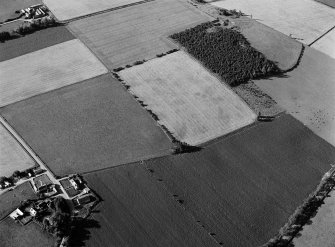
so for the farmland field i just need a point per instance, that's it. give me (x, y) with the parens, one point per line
(87, 126)
(33, 42)
(244, 188)
(13, 234)
(136, 211)
(8, 8)
(47, 69)
(193, 104)
(308, 92)
(303, 19)
(330, 3)
(124, 36)
(326, 44)
(68, 9)
(10, 200)
(12, 155)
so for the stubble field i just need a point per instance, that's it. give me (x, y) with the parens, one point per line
(12, 155)
(87, 126)
(136, 211)
(244, 188)
(47, 69)
(193, 104)
(135, 33)
(304, 19)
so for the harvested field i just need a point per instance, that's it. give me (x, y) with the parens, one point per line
(135, 33)
(330, 3)
(47, 69)
(12, 155)
(303, 19)
(321, 231)
(136, 211)
(244, 188)
(33, 42)
(10, 200)
(326, 44)
(8, 8)
(194, 105)
(308, 92)
(69, 9)
(13, 234)
(87, 126)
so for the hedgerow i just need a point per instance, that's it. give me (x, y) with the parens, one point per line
(225, 52)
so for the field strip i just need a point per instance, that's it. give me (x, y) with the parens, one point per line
(190, 102)
(47, 69)
(69, 10)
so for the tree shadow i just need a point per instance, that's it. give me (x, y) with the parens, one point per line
(81, 231)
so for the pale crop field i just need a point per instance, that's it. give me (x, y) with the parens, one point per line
(68, 9)
(303, 19)
(193, 104)
(134, 33)
(12, 155)
(47, 69)
(326, 44)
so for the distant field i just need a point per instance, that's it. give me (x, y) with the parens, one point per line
(308, 92)
(47, 69)
(124, 36)
(68, 9)
(326, 44)
(304, 19)
(193, 104)
(12, 155)
(87, 126)
(33, 42)
(13, 234)
(10, 200)
(330, 3)
(244, 188)
(136, 211)
(8, 7)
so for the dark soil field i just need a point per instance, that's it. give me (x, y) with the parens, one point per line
(14, 235)
(10, 200)
(87, 126)
(35, 41)
(137, 211)
(244, 188)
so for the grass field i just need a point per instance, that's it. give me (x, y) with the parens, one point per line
(47, 69)
(330, 3)
(68, 9)
(308, 92)
(136, 211)
(193, 104)
(8, 8)
(304, 19)
(33, 42)
(244, 188)
(10, 200)
(124, 36)
(326, 44)
(12, 155)
(87, 126)
(321, 231)
(13, 234)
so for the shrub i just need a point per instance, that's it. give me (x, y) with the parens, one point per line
(17, 174)
(4, 36)
(225, 52)
(118, 69)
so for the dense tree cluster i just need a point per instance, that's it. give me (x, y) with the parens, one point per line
(225, 52)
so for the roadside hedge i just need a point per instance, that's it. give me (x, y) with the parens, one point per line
(225, 52)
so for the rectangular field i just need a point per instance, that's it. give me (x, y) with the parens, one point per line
(244, 188)
(12, 155)
(303, 19)
(135, 33)
(69, 9)
(33, 42)
(87, 126)
(136, 211)
(326, 44)
(193, 104)
(47, 69)
(308, 92)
